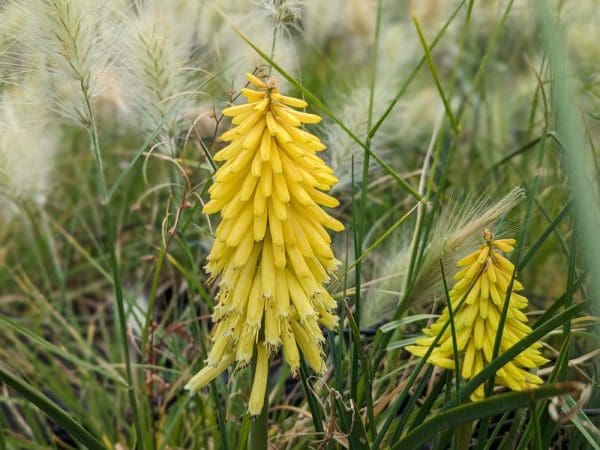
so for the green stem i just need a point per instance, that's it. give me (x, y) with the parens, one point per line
(359, 219)
(258, 431)
(93, 133)
(123, 330)
(273, 43)
(435, 76)
(110, 233)
(219, 405)
(152, 300)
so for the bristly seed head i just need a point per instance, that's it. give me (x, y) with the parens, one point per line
(285, 15)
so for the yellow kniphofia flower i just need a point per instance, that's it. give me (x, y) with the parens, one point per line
(484, 280)
(271, 252)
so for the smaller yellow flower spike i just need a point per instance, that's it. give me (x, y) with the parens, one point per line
(484, 279)
(272, 253)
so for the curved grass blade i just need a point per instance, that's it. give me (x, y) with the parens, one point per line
(434, 74)
(583, 423)
(414, 72)
(74, 428)
(61, 352)
(561, 362)
(140, 151)
(473, 411)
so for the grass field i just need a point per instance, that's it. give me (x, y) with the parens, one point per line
(451, 127)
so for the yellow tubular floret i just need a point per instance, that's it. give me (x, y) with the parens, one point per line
(207, 374)
(259, 385)
(272, 251)
(484, 279)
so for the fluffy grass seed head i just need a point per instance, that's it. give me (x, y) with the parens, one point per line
(347, 24)
(455, 231)
(271, 252)
(285, 15)
(76, 40)
(158, 81)
(28, 148)
(483, 281)
(407, 126)
(259, 21)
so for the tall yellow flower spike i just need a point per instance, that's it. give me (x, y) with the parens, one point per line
(484, 279)
(271, 252)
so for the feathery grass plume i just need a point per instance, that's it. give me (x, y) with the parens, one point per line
(13, 64)
(285, 15)
(339, 27)
(345, 155)
(483, 283)
(409, 124)
(258, 24)
(28, 146)
(271, 251)
(453, 233)
(76, 39)
(158, 81)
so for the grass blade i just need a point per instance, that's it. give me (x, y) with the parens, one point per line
(435, 76)
(61, 351)
(414, 72)
(313, 402)
(473, 411)
(569, 128)
(74, 428)
(583, 423)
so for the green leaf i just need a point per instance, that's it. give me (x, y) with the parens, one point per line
(436, 78)
(110, 374)
(401, 343)
(466, 413)
(583, 423)
(391, 326)
(76, 430)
